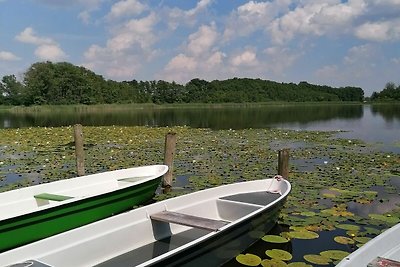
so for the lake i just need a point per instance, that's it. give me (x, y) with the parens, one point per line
(370, 123)
(378, 124)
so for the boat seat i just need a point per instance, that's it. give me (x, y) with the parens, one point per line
(53, 197)
(188, 220)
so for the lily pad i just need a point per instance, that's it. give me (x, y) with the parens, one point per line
(362, 239)
(349, 227)
(248, 259)
(317, 259)
(273, 263)
(279, 254)
(303, 234)
(343, 240)
(275, 239)
(385, 218)
(308, 213)
(335, 254)
(299, 264)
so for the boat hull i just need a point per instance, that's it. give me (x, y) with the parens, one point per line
(27, 228)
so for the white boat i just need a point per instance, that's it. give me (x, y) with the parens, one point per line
(203, 228)
(383, 250)
(32, 213)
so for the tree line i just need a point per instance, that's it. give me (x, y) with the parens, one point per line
(389, 93)
(48, 83)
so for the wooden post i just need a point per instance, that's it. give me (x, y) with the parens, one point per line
(170, 144)
(283, 163)
(78, 137)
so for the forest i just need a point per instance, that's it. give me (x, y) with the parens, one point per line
(48, 83)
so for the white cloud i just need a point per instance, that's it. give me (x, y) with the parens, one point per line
(177, 16)
(362, 54)
(396, 60)
(126, 8)
(85, 16)
(200, 57)
(279, 59)
(134, 32)
(200, 6)
(246, 58)
(379, 31)
(29, 36)
(128, 48)
(252, 16)
(47, 48)
(8, 56)
(201, 41)
(317, 18)
(50, 52)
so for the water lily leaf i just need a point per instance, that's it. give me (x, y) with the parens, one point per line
(343, 240)
(308, 213)
(298, 228)
(303, 234)
(248, 259)
(317, 259)
(299, 264)
(335, 254)
(349, 227)
(279, 254)
(372, 231)
(388, 219)
(275, 239)
(352, 233)
(273, 263)
(362, 239)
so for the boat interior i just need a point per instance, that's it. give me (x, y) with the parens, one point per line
(31, 199)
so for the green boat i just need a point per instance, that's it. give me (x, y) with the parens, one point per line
(36, 212)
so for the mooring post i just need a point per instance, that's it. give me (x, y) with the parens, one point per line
(283, 163)
(170, 145)
(78, 137)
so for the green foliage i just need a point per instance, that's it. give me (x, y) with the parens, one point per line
(11, 91)
(64, 83)
(389, 93)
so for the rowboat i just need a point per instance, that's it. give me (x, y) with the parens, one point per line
(32, 213)
(383, 250)
(204, 228)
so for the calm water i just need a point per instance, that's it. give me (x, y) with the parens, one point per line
(371, 123)
(375, 124)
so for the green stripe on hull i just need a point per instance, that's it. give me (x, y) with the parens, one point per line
(27, 228)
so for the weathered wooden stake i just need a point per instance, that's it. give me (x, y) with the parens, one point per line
(78, 137)
(283, 163)
(170, 145)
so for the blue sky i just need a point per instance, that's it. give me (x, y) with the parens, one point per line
(332, 42)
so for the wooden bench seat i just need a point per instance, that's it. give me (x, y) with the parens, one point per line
(188, 220)
(53, 197)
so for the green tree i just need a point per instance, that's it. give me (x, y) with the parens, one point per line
(11, 91)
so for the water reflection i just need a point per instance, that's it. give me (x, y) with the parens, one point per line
(386, 201)
(376, 123)
(390, 112)
(215, 118)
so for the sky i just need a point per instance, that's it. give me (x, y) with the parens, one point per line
(328, 42)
